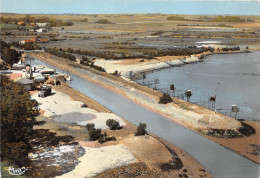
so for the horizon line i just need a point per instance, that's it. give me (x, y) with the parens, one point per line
(136, 13)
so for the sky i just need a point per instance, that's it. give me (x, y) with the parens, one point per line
(193, 7)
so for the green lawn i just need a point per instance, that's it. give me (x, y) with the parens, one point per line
(8, 26)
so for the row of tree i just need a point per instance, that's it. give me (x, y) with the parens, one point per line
(26, 46)
(227, 19)
(148, 54)
(27, 19)
(61, 53)
(87, 62)
(96, 134)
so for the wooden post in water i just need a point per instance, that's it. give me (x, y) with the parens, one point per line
(188, 94)
(235, 109)
(212, 100)
(172, 88)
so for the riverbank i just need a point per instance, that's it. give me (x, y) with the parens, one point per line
(149, 100)
(127, 150)
(187, 114)
(134, 68)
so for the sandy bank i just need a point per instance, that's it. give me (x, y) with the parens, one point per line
(97, 160)
(128, 68)
(60, 107)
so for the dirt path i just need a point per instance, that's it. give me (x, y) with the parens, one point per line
(78, 96)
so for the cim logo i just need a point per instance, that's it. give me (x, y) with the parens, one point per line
(17, 171)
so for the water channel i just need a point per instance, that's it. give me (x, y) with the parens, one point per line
(219, 161)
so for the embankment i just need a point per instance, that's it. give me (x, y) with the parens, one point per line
(149, 98)
(187, 114)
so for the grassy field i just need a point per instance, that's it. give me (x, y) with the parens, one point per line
(8, 26)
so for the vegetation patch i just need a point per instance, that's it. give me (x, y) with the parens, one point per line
(177, 18)
(60, 53)
(141, 129)
(227, 19)
(244, 131)
(173, 164)
(95, 134)
(165, 99)
(113, 124)
(103, 21)
(157, 33)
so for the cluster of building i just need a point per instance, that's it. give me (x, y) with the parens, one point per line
(30, 75)
(34, 40)
(34, 27)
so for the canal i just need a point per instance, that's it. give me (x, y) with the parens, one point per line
(219, 161)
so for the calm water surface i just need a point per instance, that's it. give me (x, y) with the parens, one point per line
(233, 78)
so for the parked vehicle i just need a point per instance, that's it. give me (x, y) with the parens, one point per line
(45, 91)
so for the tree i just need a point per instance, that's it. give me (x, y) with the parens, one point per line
(94, 133)
(165, 99)
(103, 21)
(141, 129)
(113, 124)
(3, 46)
(11, 56)
(18, 113)
(27, 19)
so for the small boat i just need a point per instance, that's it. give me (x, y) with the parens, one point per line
(68, 78)
(47, 71)
(18, 66)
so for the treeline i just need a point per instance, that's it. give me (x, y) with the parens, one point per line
(177, 18)
(237, 48)
(146, 55)
(101, 54)
(157, 33)
(61, 53)
(180, 51)
(28, 20)
(87, 62)
(215, 19)
(26, 46)
(227, 19)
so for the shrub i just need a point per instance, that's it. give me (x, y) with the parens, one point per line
(94, 133)
(141, 129)
(176, 18)
(102, 138)
(103, 21)
(84, 20)
(227, 19)
(165, 99)
(113, 124)
(157, 33)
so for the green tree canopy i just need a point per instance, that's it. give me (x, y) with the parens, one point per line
(18, 113)
(10, 56)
